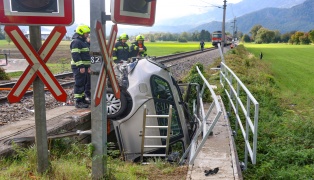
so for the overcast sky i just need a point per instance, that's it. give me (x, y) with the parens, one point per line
(166, 9)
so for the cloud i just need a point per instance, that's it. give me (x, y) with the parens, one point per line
(166, 9)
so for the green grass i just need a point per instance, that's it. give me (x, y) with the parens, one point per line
(282, 85)
(69, 160)
(154, 49)
(165, 48)
(292, 65)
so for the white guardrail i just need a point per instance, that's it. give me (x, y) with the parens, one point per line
(194, 148)
(235, 89)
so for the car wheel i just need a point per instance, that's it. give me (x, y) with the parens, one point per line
(115, 107)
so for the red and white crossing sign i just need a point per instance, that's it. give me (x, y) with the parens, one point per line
(107, 63)
(36, 63)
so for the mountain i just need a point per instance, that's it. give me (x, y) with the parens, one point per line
(211, 20)
(299, 17)
(234, 10)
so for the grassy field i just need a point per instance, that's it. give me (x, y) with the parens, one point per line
(60, 59)
(292, 67)
(154, 48)
(282, 83)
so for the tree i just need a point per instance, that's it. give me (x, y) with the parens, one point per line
(311, 35)
(246, 38)
(185, 36)
(296, 37)
(264, 36)
(285, 37)
(305, 39)
(277, 37)
(254, 30)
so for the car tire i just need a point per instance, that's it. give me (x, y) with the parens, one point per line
(115, 107)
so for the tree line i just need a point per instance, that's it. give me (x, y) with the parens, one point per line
(260, 34)
(180, 37)
(161, 36)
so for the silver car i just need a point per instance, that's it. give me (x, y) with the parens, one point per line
(146, 82)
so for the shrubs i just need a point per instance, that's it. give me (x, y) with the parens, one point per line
(3, 75)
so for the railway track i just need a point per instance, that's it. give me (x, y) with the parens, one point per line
(174, 57)
(65, 80)
(19, 111)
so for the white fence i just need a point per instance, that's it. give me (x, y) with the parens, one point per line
(247, 119)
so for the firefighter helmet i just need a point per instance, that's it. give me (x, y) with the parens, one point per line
(124, 36)
(140, 38)
(82, 29)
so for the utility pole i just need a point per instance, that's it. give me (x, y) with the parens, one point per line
(234, 29)
(223, 26)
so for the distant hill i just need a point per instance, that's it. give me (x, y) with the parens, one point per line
(234, 10)
(299, 17)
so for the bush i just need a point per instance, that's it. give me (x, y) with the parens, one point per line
(3, 75)
(182, 39)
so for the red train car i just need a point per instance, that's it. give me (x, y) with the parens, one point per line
(217, 38)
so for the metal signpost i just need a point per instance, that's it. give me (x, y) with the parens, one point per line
(98, 113)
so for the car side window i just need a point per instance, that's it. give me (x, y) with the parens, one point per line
(163, 98)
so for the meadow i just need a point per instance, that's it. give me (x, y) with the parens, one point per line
(282, 83)
(292, 67)
(60, 59)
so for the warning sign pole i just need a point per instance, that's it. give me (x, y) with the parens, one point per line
(40, 109)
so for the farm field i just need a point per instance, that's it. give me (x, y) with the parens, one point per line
(154, 48)
(285, 95)
(60, 59)
(292, 67)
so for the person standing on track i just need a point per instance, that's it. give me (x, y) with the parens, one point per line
(80, 65)
(202, 44)
(138, 49)
(121, 49)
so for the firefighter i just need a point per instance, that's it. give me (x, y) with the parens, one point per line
(137, 48)
(80, 65)
(121, 49)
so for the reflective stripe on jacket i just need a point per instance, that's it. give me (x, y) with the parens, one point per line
(79, 51)
(134, 50)
(120, 51)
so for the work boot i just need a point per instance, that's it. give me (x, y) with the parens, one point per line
(80, 104)
(86, 100)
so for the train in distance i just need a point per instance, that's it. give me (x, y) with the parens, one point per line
(217, 38)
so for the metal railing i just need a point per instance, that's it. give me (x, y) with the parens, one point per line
(194, 148)
(237, 93)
